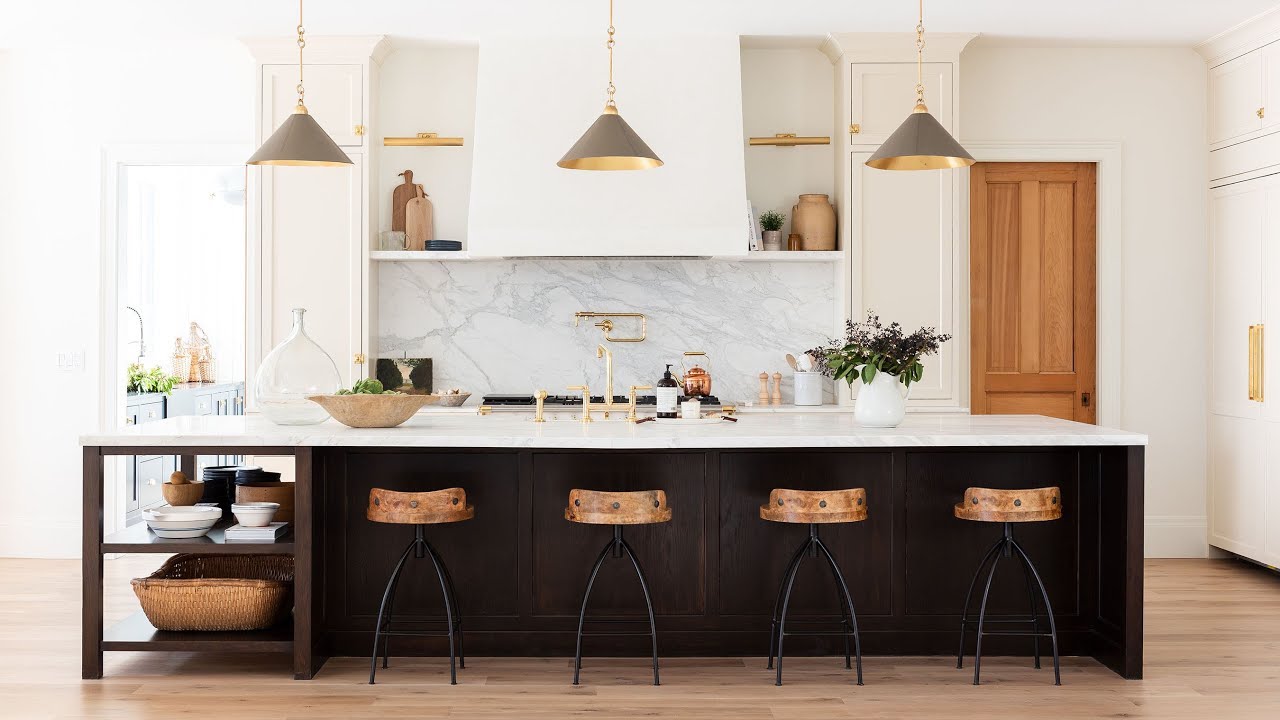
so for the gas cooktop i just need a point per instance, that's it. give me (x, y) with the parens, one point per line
(571, 401)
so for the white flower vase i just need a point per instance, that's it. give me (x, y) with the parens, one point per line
(881, 403)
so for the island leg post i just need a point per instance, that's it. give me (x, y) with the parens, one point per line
(306, 596)
(91, 566)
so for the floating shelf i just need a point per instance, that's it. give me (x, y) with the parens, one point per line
(137, 633)
(824, 256)
(418, 255)
(138, 539)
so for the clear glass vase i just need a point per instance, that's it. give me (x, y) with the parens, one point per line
(295, 369)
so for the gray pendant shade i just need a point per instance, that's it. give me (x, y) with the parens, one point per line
(299, 141)
(610, 144)
(920, 143)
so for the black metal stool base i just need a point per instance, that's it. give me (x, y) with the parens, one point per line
(616, 547)
(849, 619)
(453, 621)
(1007, 547)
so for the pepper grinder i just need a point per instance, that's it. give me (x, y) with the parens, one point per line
(764, 388)
(777, 389)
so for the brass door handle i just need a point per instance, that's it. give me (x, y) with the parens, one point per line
(1256, 383)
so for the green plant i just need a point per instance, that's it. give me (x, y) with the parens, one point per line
(368, 386)
(141, 380)
(869, 348)
(772, 221)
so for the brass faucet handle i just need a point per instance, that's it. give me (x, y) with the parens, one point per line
(634, 388)
(586, 401)
(541, 397)
(631, 406)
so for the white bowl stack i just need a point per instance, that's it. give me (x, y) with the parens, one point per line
(255, 514)
(182, 522)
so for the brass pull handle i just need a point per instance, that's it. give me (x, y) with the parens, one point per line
(1262, 112)
(1255, 363)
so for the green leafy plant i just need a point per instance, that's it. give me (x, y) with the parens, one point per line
(368, 386)
(141, 380)
(772, 221)
(869, 348)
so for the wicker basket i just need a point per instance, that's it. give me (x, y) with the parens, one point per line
(217, 592)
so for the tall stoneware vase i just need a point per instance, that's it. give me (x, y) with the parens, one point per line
(814, 220)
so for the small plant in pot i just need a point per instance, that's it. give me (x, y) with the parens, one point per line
(771, 229)
(886, 360)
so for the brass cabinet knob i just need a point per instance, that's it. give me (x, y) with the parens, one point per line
(855, 129)
(1262, 112)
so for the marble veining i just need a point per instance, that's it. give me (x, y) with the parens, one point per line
(764, 430)
(507, 325)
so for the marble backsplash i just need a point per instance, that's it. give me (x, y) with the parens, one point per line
(507, 325)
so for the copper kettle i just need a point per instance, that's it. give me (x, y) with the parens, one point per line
(696, 379)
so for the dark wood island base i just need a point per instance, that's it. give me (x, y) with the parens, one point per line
(519, 566)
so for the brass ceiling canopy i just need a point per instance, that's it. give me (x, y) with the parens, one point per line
(610, 143)
(300, 140)
(920, 142)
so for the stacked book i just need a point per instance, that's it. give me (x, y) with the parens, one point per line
(266, 533)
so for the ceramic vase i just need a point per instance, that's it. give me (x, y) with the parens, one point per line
(771, 239)
(881, 402)
(295, 369)
(814, 219)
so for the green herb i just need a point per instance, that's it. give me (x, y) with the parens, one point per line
(770, 220)
(869, 348)
(368, 386)
(142, 380)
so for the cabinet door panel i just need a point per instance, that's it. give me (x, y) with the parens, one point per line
(149, 476)
(1271, 84)
(335, 98)
(1237, 476)
(311, 247)
(1236, 221)
(1271, 496)
(882, 95)
(1270, 293)
(1235, 94)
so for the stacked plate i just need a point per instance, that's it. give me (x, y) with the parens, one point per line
(447, 245)
(182, 522)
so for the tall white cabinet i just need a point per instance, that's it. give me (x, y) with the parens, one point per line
(310, 228)
(1244, 229)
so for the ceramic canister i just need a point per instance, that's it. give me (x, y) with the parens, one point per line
(815, 221)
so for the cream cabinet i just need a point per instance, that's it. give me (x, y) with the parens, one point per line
(1235, 98)
(881, 95)
(311, 228)
(1236, 215)
(1239, 464)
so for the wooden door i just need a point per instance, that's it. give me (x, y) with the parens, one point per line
(1032, 289)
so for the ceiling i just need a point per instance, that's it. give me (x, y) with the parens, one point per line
(1078, 22)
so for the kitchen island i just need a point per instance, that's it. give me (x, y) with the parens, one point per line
(519, 567)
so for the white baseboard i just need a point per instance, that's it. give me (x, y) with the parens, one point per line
(1176, 536)
(45, 540)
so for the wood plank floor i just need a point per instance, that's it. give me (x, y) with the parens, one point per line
(1212, 649)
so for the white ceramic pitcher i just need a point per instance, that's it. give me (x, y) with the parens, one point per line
(881, 402)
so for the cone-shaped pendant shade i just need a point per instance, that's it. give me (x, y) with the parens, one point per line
(920, 143)
(610, 144)
(299, 141)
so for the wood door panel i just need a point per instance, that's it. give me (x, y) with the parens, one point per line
(1032, 289)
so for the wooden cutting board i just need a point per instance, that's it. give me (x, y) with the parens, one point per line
(400, 198)
(417, 221)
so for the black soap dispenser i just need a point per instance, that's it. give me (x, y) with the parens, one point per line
(668, 392)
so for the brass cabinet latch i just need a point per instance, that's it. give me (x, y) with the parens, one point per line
(1262, 112)
(358, 130)
(855, 129)
(359, 359)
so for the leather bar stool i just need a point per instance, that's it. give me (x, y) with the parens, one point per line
(814, 508)
(419, 509)
(1009, 507)
(617, 509)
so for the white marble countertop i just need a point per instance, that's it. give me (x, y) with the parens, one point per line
(765, 430)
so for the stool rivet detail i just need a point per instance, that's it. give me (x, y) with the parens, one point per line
(1017, 503)
(657, 504)
(377, 501)
(859, 501)
(577, 503)
(413, 503)
(616, 506)
(779, 502)
(822, 503)
(975, 501)
(455, 501)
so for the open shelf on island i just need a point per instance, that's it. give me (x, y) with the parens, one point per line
(137, 633)
(139, 539)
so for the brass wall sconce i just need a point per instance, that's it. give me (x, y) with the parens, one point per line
(427, 139)
(789, 140)
(607, 324)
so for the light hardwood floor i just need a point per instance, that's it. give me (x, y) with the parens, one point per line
(1212, 652)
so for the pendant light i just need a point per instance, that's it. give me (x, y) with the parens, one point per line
(610, 143)
(300, 140)
(920, 142)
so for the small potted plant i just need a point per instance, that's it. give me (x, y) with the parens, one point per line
(771, 229)
(885, 360)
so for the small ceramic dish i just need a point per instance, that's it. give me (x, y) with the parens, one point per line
(453, 399)
(254, 514)
(191, 521)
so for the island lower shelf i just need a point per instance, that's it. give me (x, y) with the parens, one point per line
(519, 567)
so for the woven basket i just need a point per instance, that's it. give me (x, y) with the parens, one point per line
(217, 592)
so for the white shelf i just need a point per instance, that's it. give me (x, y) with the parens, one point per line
(756, 256)
(418, 255)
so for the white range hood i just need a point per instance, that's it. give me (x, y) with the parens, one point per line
(536, 96)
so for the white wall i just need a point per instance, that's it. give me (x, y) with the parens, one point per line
(62, 106)
(1153, 102)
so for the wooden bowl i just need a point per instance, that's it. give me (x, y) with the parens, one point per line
(182, 495)
(269, 491)
(373, 411)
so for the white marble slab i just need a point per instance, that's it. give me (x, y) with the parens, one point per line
(778, 430)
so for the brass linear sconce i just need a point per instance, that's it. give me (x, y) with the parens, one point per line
(789, 140)
(427, 139)
(607, 324)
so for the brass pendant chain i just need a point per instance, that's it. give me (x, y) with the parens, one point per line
(920, 57)
(302, 43)
(611, 89)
